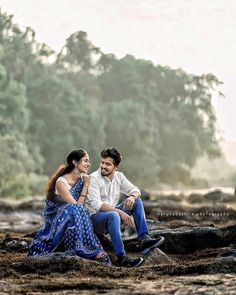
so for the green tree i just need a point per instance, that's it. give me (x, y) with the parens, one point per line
(177, 106)
(14, 153)
(78, 53)
(161, 119)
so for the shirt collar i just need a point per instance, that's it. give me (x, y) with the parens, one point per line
(106, 178)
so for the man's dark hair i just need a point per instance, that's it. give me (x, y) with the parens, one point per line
(113, 153)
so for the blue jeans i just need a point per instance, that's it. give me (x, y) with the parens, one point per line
(109, 222)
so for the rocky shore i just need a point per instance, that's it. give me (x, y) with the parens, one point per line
(198, 256)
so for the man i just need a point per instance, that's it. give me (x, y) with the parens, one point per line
(104, 190)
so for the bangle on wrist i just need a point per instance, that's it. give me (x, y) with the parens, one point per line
(83, 196)
(133, 196)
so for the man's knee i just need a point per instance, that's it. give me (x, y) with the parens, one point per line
(113, 216)
(138, 205)
(113, 220)
(138, 202)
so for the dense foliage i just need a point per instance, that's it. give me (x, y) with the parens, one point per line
(161, 119)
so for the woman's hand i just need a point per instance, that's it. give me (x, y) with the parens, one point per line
(86, 180)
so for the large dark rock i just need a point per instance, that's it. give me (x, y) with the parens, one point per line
(188, 240)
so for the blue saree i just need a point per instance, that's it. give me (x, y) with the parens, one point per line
(67, 224)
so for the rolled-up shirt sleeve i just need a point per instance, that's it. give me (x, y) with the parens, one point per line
(94, 195)
(127, 187)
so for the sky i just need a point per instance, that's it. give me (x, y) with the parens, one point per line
(198, 36)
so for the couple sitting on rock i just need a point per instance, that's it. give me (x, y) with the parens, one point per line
(77, 205)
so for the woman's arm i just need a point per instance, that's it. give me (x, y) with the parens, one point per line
(64, 193)
(84, 191)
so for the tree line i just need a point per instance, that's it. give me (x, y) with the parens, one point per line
(161, 119)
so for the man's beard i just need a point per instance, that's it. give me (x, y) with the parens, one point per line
(104, 172)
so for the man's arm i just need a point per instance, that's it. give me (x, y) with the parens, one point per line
(94, 195)
(130, 190)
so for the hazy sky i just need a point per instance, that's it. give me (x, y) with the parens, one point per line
(196, 35)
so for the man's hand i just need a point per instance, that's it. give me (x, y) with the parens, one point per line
(126, 218)
(129, 203)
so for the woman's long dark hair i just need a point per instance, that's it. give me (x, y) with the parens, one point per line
(62, 170)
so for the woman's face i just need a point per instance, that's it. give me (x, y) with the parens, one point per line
(83, 164)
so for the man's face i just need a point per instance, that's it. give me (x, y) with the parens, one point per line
(107, 166)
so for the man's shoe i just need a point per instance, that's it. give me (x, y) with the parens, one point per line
(125, 261)
(150, 243)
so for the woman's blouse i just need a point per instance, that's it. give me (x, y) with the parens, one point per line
(62, 179)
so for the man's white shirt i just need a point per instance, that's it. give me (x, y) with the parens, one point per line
(103, 190)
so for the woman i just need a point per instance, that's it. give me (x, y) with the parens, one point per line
(67, 221)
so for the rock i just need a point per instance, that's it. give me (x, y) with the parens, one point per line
(7, 207)
(228, 252)
(228, 198)
(45, 264)
(188, 240)
(157, 257)
(217, 196)
(224, 265)
(20, 221)
(15, 245)
(195, 198)
(160, 196)
(36, 204)
(10, 244)
(214, 196)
